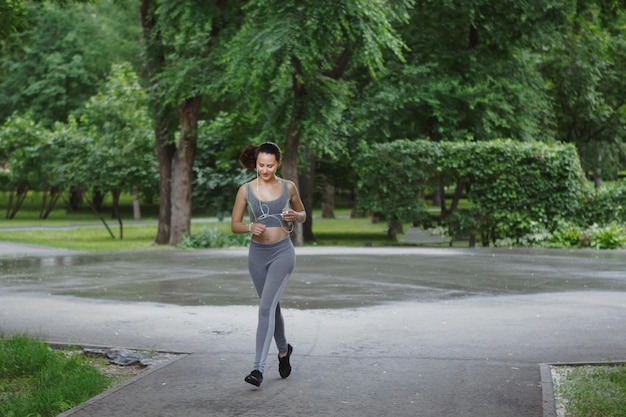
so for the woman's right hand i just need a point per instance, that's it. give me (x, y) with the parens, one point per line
(257, 229)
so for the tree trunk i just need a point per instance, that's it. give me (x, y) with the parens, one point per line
(597, 172)
(163, 116)
(97, 199)
(99, 215)
(597, 177)
(290, 172)
(182, 170)
(22, 192)
(439, 196)
(9, 205)
(76, 199)
(328, 200)
(394, 227)
(290, 162)
(44, 196)
(306, 193)
(116, 192)
(165, 154)
(115, 209)
(55, 192)
(136, 207)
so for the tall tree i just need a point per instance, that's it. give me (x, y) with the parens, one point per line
(181, 39)
(25, 149)
(291, 64)
(585, 77)
(122, 157)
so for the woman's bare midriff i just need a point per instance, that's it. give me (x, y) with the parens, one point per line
(271, 235)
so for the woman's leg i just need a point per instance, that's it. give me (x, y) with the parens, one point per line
(270, 267)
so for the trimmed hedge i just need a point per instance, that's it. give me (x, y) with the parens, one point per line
(511, 185)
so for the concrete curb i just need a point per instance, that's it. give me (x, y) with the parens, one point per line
(547, 390)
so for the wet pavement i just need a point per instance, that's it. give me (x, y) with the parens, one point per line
(376, 331)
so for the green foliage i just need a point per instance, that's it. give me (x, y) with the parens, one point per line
(36, 380)
(107, 145)
(327, 74)
(63, 54)
(391, 177)
(27, 151)
(567, 234)
(217, 173)
(513, 184)
(119, 151)
(604, 205)
(12, 16)
(583, 71)
(291, 65)
(471, 73)
(190, 34)
(611, 236)
(514, 188)
(214, 238)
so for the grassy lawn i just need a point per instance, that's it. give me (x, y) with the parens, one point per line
(83, 231)
(87, 238)
(90, 238)
(36, 380)
(593, 390)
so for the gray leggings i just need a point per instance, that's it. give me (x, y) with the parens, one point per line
(270, 266)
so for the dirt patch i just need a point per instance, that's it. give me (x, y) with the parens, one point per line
(122, 364)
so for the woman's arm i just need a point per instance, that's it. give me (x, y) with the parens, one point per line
(239, 208)
(297, 213)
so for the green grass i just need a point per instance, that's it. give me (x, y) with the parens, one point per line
(83, 231)
(89, 235)
(93, 238)
(87, 238)
(594, 391)
(36, 380)
(346, 231)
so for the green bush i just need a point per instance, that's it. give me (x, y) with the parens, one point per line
(391, 177)
(604, 205)
(611, 236)
(568, 234)
(514, 185)
(514, 188)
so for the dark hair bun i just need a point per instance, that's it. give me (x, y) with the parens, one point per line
(247, 159)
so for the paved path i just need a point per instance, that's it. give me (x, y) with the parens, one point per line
(395, 332)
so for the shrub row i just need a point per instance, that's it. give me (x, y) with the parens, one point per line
(514, 188)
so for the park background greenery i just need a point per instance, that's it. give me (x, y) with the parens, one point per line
(107, 100)
(155, 99)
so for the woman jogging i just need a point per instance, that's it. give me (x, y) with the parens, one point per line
(273, 205)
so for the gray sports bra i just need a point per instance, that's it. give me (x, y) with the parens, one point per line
(268, 212)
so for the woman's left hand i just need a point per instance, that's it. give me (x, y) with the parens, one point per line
(289, 215)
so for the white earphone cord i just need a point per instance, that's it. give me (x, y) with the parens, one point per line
(264, 214)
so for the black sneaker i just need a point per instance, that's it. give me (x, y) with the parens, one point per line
(255, 378)
(284, 368)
